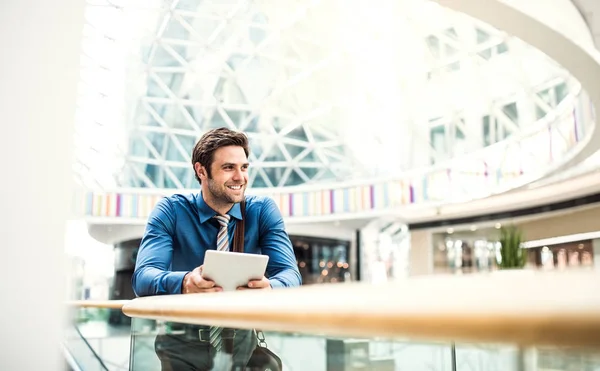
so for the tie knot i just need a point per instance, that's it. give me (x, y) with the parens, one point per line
(223, 219)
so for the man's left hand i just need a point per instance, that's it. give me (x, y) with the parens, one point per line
(257, 284)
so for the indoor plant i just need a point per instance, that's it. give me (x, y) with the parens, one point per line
(511, 253)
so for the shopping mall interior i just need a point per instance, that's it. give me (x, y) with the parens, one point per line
(408, 144)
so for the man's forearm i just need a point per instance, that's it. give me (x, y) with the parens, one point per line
(152, 281)
(287, 278)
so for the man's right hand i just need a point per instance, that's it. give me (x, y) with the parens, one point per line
(193, 282)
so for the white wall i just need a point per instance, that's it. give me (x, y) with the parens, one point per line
(39, 71)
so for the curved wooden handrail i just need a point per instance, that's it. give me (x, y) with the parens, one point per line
(111, 304)
(522, 307)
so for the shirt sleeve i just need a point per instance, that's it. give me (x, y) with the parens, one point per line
(274, 241)
(152, 275)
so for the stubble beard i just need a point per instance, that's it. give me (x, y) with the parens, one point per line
(220, 196)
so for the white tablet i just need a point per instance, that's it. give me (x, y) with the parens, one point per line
(232, 269)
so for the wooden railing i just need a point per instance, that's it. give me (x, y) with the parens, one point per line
(110, 304)
(519, 307)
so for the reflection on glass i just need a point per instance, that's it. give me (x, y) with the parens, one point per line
(158, 346)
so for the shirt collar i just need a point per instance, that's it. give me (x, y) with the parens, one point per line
(205, 212)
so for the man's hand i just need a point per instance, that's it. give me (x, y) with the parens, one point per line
(257, 284)
(194, 283)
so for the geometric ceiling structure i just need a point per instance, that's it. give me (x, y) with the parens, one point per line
(325, 90)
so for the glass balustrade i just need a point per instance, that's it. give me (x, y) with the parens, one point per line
(158, 345)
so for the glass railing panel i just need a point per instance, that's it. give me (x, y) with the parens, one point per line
(158, 345)
(94, 342)
(491, 357)
(552, 359)
(487, 357)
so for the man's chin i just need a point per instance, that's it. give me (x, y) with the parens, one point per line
(236, 199)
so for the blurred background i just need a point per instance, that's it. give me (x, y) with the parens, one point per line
(398, 138)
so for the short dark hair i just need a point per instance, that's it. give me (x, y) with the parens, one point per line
(211, 141)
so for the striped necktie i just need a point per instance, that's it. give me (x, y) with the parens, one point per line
(222, 245)
(222, 236)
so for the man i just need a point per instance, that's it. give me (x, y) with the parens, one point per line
(183, 227)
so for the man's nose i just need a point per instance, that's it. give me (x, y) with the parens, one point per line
(238, 174)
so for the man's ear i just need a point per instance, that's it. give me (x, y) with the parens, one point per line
(200, 170)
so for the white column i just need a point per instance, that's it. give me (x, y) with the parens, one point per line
(39, 69)
(596, 247)
(421, 253)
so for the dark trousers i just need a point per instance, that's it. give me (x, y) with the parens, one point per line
(187, 352)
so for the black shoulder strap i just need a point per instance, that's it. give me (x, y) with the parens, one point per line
(238, 237)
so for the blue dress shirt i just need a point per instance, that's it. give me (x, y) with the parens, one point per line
(181, 228)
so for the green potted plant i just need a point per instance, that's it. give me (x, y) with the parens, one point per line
(512, 255)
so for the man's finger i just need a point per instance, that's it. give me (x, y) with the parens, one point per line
(258, 284)
(213, 289)
(202, 282)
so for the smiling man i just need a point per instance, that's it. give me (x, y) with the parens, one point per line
(182, 228)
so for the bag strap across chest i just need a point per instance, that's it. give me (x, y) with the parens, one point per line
(238, 236)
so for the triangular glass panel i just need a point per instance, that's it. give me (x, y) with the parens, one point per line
(250, 122)
(433, 43)
(214, 120)
(273, 174)
(237, 117)
(310, 172)
(164, 58)
(228, 91)
(187, 141)
(561, 91)
(256, 180)
(275, 154)
(155, 90)
(175, 30)
(190, 117)
(139, 149)
(203, 27)
(328, 175)
(189, 180)
(502, 48)
(293, 179)
(546, 97)
(510, 110)
(486, 54)
(173, 153)
(181, 173)
(154, 173)
(235, 60)
(278, 122)
(482, 36)
(157, 141)
(294, 150)
(310, 157)
(321, 133)
(260, 148)
(158, 108)
(451, 33)
(298, 133)
(449, 51)
(539, 112)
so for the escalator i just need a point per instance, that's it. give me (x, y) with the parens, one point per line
(78, 354)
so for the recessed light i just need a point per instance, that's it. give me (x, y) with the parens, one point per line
(498, 225)
(450, 230)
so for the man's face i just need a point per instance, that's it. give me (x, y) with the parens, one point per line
(229, 176)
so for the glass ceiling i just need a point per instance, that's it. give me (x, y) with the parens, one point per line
(326, 90)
